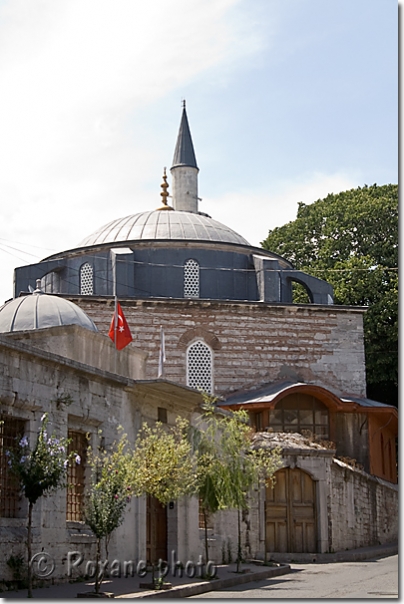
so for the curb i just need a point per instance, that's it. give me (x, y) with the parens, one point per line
(194, 589)
(353, 555)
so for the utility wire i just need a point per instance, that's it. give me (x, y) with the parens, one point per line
(242, 270)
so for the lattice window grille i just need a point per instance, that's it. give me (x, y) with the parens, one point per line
(86, 280)
(200, 367)
(191, 279)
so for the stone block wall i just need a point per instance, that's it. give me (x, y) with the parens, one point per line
(79, 344)
(223, 538)
(252, 343)
(362, 509)
(354, 509)
(34, 381)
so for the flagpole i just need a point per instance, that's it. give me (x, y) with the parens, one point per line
(115, 296)
(115, 308)
(162, 354)
(114, 253)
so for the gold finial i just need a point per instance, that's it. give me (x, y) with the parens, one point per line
(164, 186)
(164, 194)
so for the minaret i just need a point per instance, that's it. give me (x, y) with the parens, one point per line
(184, 171)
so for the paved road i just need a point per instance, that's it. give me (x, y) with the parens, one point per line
(376, 578)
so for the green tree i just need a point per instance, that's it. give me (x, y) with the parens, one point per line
(39, 471)
(161, 463)
(209, 466)
(108, 494)
(351, 240)
(228, 466)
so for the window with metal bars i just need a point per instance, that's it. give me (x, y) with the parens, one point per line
(76, 477)
(86, 279)
(11, 430)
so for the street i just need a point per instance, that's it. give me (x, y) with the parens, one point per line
(377, 578)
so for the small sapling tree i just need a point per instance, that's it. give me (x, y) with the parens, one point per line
(206, 444)
(107, 496)
(244, 467)
(39, 471)
(228, 466)
(162, 464)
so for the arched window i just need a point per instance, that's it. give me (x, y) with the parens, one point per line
(191, 279)
(86, 279)
(200, 367)
(300, 413)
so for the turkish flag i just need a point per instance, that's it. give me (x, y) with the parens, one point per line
(119, 331)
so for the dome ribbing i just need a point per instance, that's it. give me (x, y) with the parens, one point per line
(39, 310)
(164, 226)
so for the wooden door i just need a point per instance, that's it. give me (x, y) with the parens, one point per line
(291, 513)
(156, 530)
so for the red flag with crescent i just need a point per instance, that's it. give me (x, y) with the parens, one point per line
(119, 331)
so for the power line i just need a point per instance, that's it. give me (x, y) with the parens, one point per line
(39, 247)
(13, 255)
(242, 270)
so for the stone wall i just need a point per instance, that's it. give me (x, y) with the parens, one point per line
(34, 381)
(363, 509)
(353, 509)
(252, 343)
(79, 344)
(223, 537)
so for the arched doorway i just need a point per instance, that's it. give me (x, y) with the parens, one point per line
(290, 513)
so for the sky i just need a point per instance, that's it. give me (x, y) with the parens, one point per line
(287, 101)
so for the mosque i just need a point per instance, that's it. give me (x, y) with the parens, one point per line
(231, 329)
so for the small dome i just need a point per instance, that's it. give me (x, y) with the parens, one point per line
(40, 310)
(164, 225)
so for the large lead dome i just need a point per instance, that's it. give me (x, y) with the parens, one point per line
(173, 252)
(164, 226)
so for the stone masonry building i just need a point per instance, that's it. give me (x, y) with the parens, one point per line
(231, 329)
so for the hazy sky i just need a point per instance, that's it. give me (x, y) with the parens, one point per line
(288, 100)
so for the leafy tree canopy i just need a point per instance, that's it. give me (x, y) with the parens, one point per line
(161, 463)
(351, 240)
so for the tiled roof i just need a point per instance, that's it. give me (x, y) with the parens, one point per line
(268, 392)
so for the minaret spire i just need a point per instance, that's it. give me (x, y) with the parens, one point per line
(184, 170)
